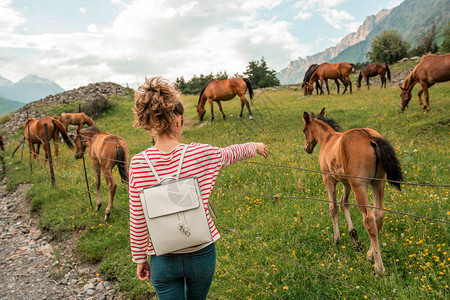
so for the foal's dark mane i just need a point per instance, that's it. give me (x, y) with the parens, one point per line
(330, 121)
(92, 128)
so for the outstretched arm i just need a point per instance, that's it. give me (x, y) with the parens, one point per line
(234, 153)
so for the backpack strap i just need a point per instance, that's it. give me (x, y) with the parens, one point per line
(177, 176)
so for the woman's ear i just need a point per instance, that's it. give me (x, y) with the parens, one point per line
(179, 121)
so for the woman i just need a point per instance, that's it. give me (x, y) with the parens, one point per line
(187, 273)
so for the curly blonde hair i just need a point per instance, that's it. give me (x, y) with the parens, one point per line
(156, 106)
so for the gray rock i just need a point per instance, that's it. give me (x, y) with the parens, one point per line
(90, 292)
(36, 235)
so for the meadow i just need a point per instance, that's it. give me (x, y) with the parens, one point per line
(277, 237)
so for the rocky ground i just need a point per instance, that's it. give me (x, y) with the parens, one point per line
(33, 268)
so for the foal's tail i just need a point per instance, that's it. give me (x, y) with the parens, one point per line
(60, 127)
(250, 89)
(122, 160)
(388, 71)
(386, 154)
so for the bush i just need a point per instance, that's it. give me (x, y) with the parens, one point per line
(388, 47)
(94, 108)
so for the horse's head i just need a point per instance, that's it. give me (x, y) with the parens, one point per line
(310, 140)
(201, 111)
(80, 145)
(358, 84)
(406, 97)
(307, 88)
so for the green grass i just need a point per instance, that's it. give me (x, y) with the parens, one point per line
(415, 251)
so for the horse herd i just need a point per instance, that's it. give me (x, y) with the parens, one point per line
(373, 159)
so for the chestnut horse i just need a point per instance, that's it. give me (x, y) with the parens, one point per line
(430, 70)
(106, 150)
(341, 70)
(312, 68)
(35, 134)
(224, 90)
(78, 119)
(366, 156)
(373, 70)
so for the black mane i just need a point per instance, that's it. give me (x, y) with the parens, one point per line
(92, 128)
(330, 121)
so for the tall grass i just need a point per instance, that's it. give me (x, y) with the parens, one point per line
(415, 251)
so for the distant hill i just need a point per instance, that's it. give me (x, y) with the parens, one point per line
(7, 106)
(28, 89)
(409, 19)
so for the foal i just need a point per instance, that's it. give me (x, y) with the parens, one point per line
(358, 158)
(106, 150)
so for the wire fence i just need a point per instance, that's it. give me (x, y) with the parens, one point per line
(234, 231)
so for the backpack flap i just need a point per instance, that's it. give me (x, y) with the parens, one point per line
(180, 195)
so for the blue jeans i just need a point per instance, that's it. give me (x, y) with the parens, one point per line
(183, 276)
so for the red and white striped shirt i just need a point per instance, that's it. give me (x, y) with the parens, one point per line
(201, 160)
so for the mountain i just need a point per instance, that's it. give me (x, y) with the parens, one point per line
(7, 105)
(29, 88)
(409, 18)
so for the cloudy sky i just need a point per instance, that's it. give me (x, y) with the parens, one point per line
(76, 42)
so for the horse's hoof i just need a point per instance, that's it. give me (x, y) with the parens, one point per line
(98, 206)
(106, 218)
(379, 271)
(250, 117)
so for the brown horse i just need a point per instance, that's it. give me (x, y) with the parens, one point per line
(341, 70)
(35, 134)
(366, 156)
(373, 70)
(78, 119)
(312, 68)
(430, 70)
(224, 90)
(106, 150)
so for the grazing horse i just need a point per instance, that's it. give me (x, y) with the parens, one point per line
(341, 70)
(106, 150)
(224, 90)
(312, 68)
(78, 119)
(430, 70)
(357, 158)
(35, 134)
(373, 70)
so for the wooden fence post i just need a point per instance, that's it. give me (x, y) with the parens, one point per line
(50, 161)
(29, 143)
(87, 183)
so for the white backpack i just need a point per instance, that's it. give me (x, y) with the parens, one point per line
(174, 212)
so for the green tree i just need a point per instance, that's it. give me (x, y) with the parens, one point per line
(445, 47)
(259, 74)
(196, 83)
(388, 47)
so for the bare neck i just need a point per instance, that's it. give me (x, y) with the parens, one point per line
(166, 143)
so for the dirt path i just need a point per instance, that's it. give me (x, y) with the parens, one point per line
(33, 268)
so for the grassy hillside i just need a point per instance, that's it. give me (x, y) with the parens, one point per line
(414, 250)
(7, 105)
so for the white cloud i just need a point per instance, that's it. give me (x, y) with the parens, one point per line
(10, 19)
(82, 10)
(336, 18)
(302, 15)
(171, 38)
